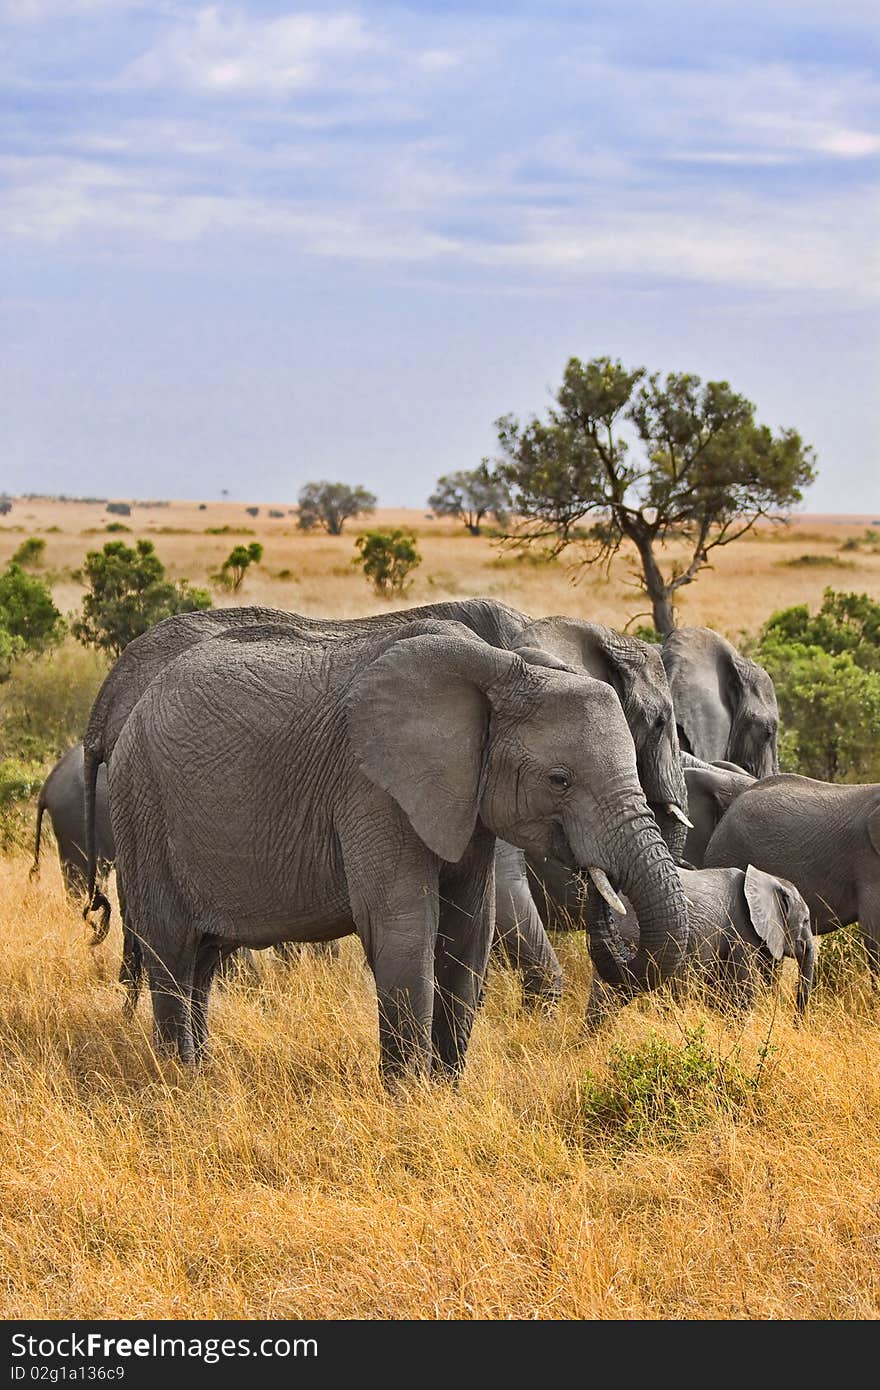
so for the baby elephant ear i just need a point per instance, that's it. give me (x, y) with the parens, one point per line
(766, 910)
(418, 719)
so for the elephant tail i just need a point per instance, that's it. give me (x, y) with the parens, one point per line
(41, 806)
(95, 899)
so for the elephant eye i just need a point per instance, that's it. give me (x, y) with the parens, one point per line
(660, 721)
(560, 780)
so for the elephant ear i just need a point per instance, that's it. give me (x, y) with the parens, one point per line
(418, 721)
(536, 656)
(765, 910)
(874, 829)
(606, 655)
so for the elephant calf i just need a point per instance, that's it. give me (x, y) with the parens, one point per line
(823, 836)
(62, 796)
(741, 926)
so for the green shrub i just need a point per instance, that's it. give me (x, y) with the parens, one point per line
(30, 553)
(27, 611)
(660, 1092)
(817, 562)
(19, 782)
(387, 558)
(236, 565)
(229, 531)
(128, 594)
(117, 526)
(841, 962)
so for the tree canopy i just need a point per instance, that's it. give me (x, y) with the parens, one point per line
(696, 469)
(128, 593)
(329, 505)
(472, 495)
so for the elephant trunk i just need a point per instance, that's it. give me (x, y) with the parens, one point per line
(649, 879)
(662, 777)
(805, 954)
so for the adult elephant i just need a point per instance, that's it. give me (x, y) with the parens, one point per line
(823, 836)
(632, 668)
(61, 795)
(269, 788)
(711, 788)
(741, 926)
(725, 704)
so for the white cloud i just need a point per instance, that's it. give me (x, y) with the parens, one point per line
(226, 52)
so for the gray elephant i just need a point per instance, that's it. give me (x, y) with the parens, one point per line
(62, 796)
(631, 667)
(741, 927)
(725, 704)
(711, 787)
(824, 836)
(269, 788)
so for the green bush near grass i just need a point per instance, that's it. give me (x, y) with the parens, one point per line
(660, 1092)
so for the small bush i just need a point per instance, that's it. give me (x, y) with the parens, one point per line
(128, 593)
(19, 781)
(119, 509)
(817, 562)
(660, 1092)
(273, 511)
(647, 633)
(117, 526)
(229, 531)
(237, 564)
(841, 961)
(30, 553)
(387, 558)
(27, 610)
(252, 511)
(284, 574)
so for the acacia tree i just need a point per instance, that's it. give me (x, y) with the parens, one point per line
(331, 504)
(472, 495)
(703, 471)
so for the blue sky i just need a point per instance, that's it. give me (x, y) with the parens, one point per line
(250, 245)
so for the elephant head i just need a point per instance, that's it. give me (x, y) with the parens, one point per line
(725, 704)
(457, 731)
(781, 920)
(635, 671)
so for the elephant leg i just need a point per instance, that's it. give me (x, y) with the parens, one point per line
(736, 980)
(211, 956)
(171, 980)
(403, 968)
(869, 925)
(132, 968)
(522, 940)
(467, 913)
(604, 1001)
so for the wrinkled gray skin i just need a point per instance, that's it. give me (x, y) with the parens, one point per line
(725, 704)
(267, 788)
(62, 796)
(822, 836)
(631, 667)
(741, 927)
(712, 788)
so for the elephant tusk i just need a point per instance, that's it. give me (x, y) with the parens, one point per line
(672, 810)
(603, 883)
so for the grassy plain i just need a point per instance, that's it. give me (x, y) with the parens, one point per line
(280, 1181)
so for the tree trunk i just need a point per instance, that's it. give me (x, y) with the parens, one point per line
(657, 589)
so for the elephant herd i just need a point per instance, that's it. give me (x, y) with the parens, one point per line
(441, 777)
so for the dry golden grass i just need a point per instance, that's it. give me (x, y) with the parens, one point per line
(749, 580)
(280, 1181)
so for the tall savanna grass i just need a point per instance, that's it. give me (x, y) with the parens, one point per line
(279, 1180)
